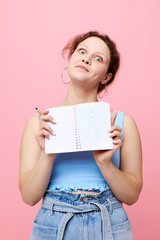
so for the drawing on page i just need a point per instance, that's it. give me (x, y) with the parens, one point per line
(90, 116)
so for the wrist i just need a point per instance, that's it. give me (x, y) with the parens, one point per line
(104, 163)
(48, 157)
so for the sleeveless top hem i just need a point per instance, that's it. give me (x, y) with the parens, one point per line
(94, 186)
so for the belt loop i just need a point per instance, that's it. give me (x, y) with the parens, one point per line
(51, 209)
(110, 205)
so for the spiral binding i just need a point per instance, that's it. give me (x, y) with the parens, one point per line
(77, 133)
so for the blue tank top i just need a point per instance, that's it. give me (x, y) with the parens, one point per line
(78, 170)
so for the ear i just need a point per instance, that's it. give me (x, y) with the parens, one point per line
(107, 78)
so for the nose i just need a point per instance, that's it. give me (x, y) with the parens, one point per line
(86, 61)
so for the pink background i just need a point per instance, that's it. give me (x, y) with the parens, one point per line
(33, 34)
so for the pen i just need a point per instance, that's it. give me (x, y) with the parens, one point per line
(40, 113)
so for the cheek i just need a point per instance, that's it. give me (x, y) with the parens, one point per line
(74, 58)
(73, 61)
(71, 67)
(100, 71)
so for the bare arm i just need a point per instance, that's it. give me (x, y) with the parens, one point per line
(35, 165)
(126, 182)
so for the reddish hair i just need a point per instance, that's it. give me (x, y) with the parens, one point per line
(114, 54)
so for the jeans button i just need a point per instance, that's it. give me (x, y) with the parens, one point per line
(85, 199)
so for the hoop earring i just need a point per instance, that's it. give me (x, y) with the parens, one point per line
(62, 76)
(105, 93)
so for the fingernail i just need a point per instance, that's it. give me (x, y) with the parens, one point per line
(54, 134)
(54, 121)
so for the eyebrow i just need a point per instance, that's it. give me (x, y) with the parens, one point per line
(81, 45)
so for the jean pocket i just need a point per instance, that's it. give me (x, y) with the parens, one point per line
(121, 227)
(40, 232)
(45, 225)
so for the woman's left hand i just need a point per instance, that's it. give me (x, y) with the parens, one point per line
(104, 156)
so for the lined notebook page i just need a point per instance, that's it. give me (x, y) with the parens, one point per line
(81, 127)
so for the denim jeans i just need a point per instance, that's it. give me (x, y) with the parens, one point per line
(66, 215)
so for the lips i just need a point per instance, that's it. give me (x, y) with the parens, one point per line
(83, 67)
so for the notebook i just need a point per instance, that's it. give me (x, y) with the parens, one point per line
(81, 127)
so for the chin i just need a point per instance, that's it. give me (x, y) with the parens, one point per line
(78, 76)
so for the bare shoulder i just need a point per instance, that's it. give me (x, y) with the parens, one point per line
(128, 118)
(30, 130)
(129, 121)
(131, 132)
(33, 120)
(32, 124)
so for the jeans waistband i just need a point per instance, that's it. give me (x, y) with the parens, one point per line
(76, 198)
(83, 203)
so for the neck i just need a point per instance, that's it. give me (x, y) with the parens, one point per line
(77, 95)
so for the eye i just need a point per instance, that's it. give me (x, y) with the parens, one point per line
(99, 59)
(82, 51)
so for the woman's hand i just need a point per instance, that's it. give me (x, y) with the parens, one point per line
(104, 156)
(44, 128)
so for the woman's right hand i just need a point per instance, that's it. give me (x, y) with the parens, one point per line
(44, 128)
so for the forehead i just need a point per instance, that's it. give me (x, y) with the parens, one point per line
(96, 44)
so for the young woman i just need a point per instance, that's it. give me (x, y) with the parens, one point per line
(83, 191)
